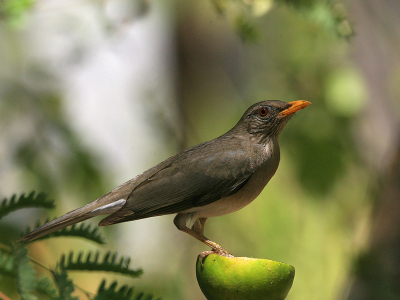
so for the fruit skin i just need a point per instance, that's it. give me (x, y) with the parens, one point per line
(243, 278)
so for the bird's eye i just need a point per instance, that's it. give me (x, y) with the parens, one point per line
(263, 111)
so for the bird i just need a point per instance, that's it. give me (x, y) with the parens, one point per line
(210, 179)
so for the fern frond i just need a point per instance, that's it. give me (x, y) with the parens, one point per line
(143, 296)
(6, 264)
(45, 287)
(32, 200)
(83, 230)
(109, 263)
(26, 275)
(64, 284)
(123, 293)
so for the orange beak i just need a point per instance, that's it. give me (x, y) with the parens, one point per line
(294, 106)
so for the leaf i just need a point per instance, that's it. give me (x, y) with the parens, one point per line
(83, 230)
(91, 263)
(123, 293)
(45, 287)
(19, 267)
(142, 296)
(7, 264)
(64, 284)
(26, 275)
(32, 200)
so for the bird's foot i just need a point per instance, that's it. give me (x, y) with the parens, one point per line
(217, 250)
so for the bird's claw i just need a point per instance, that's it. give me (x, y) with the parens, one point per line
(218, 251)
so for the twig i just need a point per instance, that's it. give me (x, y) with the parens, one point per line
(4, 297)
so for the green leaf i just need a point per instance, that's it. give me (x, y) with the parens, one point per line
(142, 296)
(26, 275)
(7, 264)
(64, 284)
(45, 287)
(83, 230)
(123, 293)
(32, 200)
(109, 263)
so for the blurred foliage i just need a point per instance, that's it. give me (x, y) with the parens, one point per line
(330, 14)
(52, 156)
(32, 200)
(25, 274)
(321, 159)
(13, 11)
(122, 293)
(17, 265)
(92, 262)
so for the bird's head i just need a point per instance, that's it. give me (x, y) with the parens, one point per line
(266, 119)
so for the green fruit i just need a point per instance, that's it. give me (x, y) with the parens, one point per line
(243, 278)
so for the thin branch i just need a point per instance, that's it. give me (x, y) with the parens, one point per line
(4, 297)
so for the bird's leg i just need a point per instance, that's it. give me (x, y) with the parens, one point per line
(197, 232)
(217, 249)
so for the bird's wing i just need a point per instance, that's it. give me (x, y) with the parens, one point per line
(199, 176)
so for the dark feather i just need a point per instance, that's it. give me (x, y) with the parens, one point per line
(188, 181)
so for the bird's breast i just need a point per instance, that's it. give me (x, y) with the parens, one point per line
(240, 199)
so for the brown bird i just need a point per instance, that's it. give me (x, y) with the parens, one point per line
(211, 179)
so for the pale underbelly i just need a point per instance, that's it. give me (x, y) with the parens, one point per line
(236, 201)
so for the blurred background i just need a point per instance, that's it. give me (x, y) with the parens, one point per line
(93, 93)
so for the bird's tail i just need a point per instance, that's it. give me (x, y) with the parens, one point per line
(88, 211)
(73, 217)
